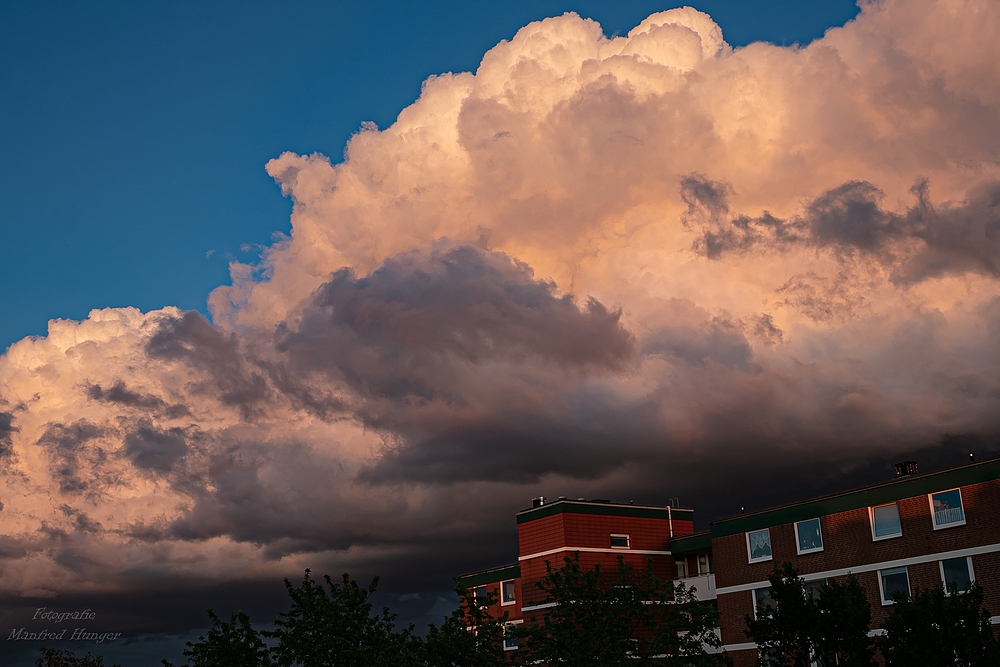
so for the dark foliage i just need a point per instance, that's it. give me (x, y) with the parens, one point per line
(333, 626)
(232, 644)
(53, 657)
(932, 629)
(830, 628)
(453, 645)
(631, 618)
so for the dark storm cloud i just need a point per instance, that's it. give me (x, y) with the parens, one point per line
(154, 449)
(191, 339)
(119, 394)
(422, 322)
(952, 238)
(7, 429)
(65, 444)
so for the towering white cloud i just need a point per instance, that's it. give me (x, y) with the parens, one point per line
(628, 264)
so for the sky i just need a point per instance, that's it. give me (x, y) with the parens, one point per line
(318, 285)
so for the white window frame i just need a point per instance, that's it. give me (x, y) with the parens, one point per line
(510, 624)
(628, 540)
(881, 588)
(972, 574)
(503, 601)
(871, 521)
(708, 565)
(954, 524)
(798, 541)
(763, 559)
(753, 598)
(681, 564)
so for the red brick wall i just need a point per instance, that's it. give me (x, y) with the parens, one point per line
(594, 531)
(497, 609)
(572, 531)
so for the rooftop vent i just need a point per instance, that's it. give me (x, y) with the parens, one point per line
(675, 502)
(562, 497)
(906, 468)
(538, 502)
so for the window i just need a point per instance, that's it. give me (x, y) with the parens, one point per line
(619, 541)
(703, 565)
(762, 601)
(507, 595)
(956, 573)
(946, 509)
(808, 537)
(509, 638)
(812, 588)
(759, 545)
(479, 592)
(885, 521)
(682, 568)
(893, 581)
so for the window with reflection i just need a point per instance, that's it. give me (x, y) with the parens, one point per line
(956, 575)
(893, 581)
(808, 536)
(885, 521)
(759, 545)
(946, 509)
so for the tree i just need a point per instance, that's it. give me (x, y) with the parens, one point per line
(633, 619)
(229, 644)
(455, 645)
(844, 618)
(932, 629)
(54, 657)
(800, 626)
(334, 627)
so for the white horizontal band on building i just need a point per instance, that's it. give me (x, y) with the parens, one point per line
(594, 550)
(871, 567)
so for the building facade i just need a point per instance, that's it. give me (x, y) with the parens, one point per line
(937, 529)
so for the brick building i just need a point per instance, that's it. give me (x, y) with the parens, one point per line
(916, 531)
(598, 530)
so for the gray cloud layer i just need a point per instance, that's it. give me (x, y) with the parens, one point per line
(922, 243)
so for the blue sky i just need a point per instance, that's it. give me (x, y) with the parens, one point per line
(135, 134)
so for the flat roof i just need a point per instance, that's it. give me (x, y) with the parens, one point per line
(685, 545)
(490, 576)
(604, 507)
(879, 493)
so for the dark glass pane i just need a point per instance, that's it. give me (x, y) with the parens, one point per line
(762, 596)
(956, 574)
(812, 588)
(619, 541)
(508, 591)
(809, 535)
(895, 581)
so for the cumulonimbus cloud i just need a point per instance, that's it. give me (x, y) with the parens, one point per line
(630, 265)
